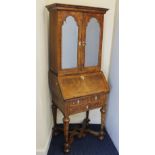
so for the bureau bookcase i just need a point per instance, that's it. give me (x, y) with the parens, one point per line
(76, 81)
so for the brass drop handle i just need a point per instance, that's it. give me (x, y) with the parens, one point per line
(96, 98)
(87, 107)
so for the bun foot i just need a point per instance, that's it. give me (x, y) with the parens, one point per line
(54, 132)
(101, 137)
(66, 148)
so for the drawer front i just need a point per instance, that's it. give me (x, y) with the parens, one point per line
(85, 103)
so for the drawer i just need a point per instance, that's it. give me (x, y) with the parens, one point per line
(82, 104)
(77, 105)
(96, 101)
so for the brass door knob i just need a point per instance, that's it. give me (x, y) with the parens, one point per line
(83, 43)
(96, 98)
(80, 43)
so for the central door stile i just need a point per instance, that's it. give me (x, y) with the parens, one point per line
(83, 36)
(80, 29)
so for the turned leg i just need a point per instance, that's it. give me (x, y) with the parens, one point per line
(84, 125)
(87, 118)
(101, 133)
(54, 111)
(66, 134)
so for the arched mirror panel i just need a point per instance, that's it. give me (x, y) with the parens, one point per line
(69, 42)
(92, 43)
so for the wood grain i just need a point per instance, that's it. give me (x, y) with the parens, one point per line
(83, 85)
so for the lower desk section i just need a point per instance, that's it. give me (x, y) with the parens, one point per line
(77, 105)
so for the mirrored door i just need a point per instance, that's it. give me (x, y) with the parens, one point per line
(69, 43)
(71, 29)
(81, 41)
(92, 41)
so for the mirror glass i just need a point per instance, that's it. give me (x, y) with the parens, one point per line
(92, 43)
(69, 43)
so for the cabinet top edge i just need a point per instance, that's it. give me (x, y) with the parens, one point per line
(58, 6)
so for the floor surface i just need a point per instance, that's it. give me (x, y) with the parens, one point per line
(88, 145)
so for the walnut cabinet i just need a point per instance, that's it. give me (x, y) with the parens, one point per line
(76, 81)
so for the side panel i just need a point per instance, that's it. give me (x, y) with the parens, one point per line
(57, 97)
(53, 41)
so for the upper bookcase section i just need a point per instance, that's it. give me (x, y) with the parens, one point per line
(66, 7)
